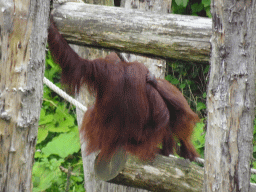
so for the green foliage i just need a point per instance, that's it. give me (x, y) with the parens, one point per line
(58, 141)
(46, 173)
(63, 145)
(200, 106)
(182, 3)
(191, 79)
(207, 7)
(253, 176)
(192, 7)
(47, 176)
(198, 138)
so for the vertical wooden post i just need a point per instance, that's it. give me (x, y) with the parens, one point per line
(23, 35)
(231, 97)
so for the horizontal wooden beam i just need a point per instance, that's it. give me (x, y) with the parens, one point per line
(163, 174)
(160, 35)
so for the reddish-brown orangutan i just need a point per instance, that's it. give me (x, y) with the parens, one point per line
(133, 110)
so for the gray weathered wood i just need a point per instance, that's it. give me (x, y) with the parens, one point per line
(163, 35)
(155, 66)
(231, 97)
(252, 187)
(163, 174)
(158, 6)
(23, 35)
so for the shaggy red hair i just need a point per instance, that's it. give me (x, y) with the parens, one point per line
(133, 110)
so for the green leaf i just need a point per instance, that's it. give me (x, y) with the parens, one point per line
(62, 120)
(199, 135)
(197, 8)
(189, 82)
(68, 121)
(182, 3)
(206, 3)
(208, 12)
(57, 129)
(182, 86)
(38, 154)
(44, 119)
(207, 69)
(63, 145)
(42, 134)
(174, 81)
(200, 106)
(43, 177)
(168, 78)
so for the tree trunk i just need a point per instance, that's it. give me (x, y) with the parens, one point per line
(228, 146)
(23, 28)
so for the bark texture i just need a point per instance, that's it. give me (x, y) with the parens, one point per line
(163, 174)
(23, 32)
(155, 66)
(128, 30)
(231, 97)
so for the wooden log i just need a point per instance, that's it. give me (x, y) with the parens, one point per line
(163, 174)
(161, 35)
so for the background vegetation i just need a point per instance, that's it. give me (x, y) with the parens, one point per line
(58, 162)
(192, 7)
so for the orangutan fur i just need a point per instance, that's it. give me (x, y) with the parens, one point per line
(133, 110)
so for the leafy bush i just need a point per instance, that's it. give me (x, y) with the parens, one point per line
(58, 144)
(253, 176)
(191, 79)
(192, 7)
